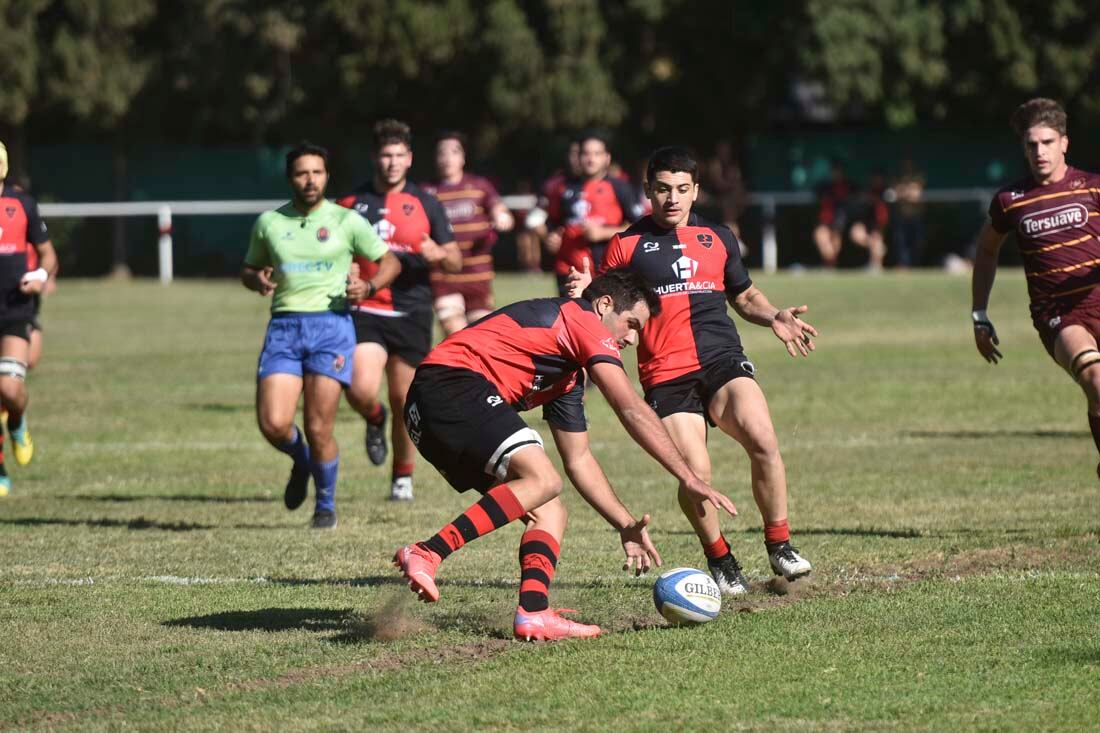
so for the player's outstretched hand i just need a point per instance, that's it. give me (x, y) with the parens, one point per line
(576, 282)
(985, 338)
(796, 334)
(266, 286)
(701, 492)
(641, 555)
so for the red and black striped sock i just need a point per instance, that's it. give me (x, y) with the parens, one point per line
(776, 533)
(497, 508)
(402, 469)
(538, 557)
(375, 416)
(717, 549)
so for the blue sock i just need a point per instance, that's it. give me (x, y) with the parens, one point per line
(324, 482)
(297, 448)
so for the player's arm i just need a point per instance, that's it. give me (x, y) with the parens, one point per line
(595, 232)
(588, 477)
(257, 272)
(786, 323)
(438, 246)
(39, 238)
(646, 429)
(981, 285)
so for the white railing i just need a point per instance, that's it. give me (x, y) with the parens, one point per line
(768, 201)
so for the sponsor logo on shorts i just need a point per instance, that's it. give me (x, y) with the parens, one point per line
(494, 400)
(338, 363)
(1058, 219)
(322, 234)
(1053, 322)
(412, 423)
(749, 368)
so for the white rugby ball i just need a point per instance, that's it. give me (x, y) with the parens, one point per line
(686, 596)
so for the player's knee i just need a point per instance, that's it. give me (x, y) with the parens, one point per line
(273, 428)
(764, 448)
(1086, 370)
(318, 429)
(549, 483)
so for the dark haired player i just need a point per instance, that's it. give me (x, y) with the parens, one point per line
(463, 413)
(587, 211)
(690, 359)
(302, 253)
(1055, 215)
(21, 230)
(394, 325)
(476, 213)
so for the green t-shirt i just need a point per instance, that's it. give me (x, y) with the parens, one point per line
(311, 254)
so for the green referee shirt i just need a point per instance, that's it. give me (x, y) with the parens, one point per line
(311, 254)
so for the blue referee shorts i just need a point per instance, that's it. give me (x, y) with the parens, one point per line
(313, 343)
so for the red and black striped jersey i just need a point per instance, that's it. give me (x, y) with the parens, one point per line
(401, 218)
(21, 230)
(572, 202)
(534, 351)
(694, 269)
(469, 205)
(1057, 230)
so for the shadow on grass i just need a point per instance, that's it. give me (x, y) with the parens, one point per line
(901, 534)
(373, 581)
(227, 407)
(985, 434)
(139, 523)
(270, 619)
(207, 498)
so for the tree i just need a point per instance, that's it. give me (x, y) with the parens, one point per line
(19, 72)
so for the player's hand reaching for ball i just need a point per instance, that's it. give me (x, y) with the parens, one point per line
(796, 334)
(641, 555)
(700, 492)
(576, 282)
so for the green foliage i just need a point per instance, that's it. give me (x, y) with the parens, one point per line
(19, 72)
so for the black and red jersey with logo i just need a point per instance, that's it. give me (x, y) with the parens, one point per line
(21, 230)
(572, 203)
(694, 269)
(1057, 228)
(533, 351)
(402, 219)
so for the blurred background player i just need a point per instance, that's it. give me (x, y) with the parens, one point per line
(535, 235)
(690, 360)
(302, 252)
(476, 214)
(1055, 214)
(463, 412)
(21, 230)
(393, 326)
(585, 212)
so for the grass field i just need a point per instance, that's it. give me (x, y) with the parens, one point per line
(150, 577)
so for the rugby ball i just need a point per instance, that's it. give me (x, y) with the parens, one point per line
(686, 596)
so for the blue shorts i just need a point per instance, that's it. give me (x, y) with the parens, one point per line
(314, 343)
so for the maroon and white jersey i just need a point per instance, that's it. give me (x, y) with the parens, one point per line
(1057, 229)
(469, 205)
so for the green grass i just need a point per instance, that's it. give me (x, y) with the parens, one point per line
(151, 579)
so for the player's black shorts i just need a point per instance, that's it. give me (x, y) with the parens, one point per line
(408, 336)
(461, 424)
(693, 392)
(19, 327)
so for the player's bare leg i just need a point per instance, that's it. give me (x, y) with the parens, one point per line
(276, 406)
(828, 244)
(529, 250)
(14, 353)
(689, 433)
(1075, 349)
(35, 352)
(364, 396)
(741, 411)
(451, 311)
(322, 398)
(399, 376)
